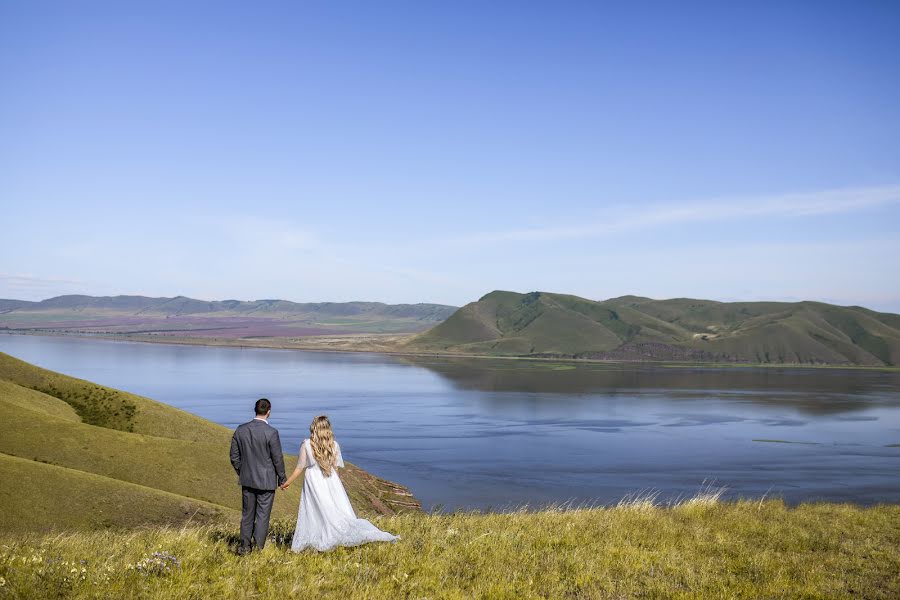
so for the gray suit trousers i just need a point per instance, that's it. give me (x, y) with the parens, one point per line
(256, 510)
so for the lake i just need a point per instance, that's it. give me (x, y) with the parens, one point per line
(491, 433)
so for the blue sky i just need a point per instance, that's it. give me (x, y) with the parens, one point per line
(434, 151)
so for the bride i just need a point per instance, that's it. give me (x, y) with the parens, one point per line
(326, 518)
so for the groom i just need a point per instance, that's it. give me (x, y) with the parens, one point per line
(257, 459)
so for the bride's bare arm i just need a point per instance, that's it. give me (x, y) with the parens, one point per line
(291, 479)
(301, 464)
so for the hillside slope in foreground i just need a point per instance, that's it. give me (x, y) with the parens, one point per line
(76, 455)
(541, 324)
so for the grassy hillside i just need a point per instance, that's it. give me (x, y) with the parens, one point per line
(230, 319)
(62, 437)
(696, 550)
(632, 328)
(60, 498)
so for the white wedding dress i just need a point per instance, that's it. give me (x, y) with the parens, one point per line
(326, 518)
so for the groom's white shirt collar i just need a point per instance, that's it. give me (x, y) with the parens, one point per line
(266, 421)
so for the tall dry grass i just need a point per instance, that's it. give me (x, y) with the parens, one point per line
(697, 548)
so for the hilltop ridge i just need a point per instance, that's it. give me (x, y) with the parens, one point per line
(231, 319)
(544, 324)
(182, 305)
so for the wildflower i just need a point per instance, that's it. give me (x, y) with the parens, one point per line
(158, 563)
(2, 582)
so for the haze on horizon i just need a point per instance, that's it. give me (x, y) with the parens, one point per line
(422, 152)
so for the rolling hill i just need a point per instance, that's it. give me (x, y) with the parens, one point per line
(74, 454)
(541, 324)
(183, 316)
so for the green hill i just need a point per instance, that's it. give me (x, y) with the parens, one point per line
(541, 324)
(73, 453)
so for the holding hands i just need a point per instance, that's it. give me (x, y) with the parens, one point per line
(287, 483)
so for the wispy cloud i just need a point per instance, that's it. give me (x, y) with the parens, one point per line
(30, 287)
(797, 205)
(36, 282)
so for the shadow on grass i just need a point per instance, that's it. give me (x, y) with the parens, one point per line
(281, 533)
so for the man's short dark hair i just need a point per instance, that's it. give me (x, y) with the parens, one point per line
(263, 406)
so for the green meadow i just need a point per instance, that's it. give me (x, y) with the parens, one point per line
(745, 549)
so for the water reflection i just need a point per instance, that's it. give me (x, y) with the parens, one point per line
(813, 391)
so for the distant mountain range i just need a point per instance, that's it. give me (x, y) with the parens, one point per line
(541, 324)
(537, 324)
(182, 305)
(224, 318)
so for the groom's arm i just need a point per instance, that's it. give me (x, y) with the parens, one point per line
(277, 457)
(235, 454)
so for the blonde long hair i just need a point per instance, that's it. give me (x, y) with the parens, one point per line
(322, 440)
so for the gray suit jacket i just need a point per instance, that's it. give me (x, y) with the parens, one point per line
(256, 455)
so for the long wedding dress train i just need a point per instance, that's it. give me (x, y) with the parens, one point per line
(326, 518)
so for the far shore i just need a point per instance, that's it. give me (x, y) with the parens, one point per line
(386, 343)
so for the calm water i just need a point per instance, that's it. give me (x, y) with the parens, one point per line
(494, 433)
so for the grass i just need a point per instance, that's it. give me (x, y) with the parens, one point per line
(37, 495)
(779, 366)
(744, 549)
(65, 438)
(137, 414)
(677, 330)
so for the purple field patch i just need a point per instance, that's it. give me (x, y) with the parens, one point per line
(219, 327)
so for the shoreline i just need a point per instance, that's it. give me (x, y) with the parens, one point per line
(306, 346)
